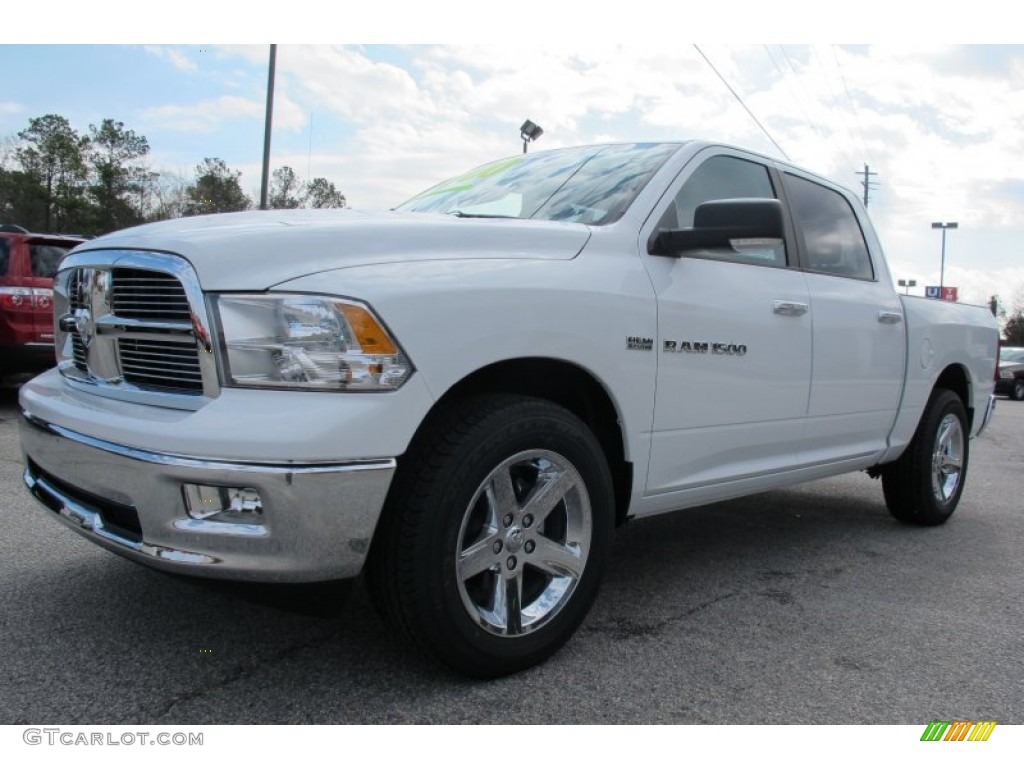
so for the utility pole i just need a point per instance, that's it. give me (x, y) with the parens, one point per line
(266, 129)
(868, 184)
(942, 269)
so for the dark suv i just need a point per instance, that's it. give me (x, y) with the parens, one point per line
(28, 263)
(1010, 379)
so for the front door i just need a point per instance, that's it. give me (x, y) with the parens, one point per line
(734, 344)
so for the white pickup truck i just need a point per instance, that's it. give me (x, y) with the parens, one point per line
(463, 397)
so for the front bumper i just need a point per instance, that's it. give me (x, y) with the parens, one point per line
(316, 523)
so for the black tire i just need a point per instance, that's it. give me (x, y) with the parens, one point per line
(1017, 390)
(457, 533)
(923, 487)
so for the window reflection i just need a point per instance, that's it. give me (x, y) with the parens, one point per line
(590, 185)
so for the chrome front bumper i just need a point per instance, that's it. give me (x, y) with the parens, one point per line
(316, 522)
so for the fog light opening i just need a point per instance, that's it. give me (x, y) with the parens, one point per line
(223, 504)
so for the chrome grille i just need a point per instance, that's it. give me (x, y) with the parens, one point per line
(134, 325)
(164, 365)
(141, 294)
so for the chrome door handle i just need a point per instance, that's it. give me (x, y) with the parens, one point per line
(789, 308)
(889, 318)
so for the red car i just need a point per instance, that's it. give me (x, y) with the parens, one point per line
(28, 263)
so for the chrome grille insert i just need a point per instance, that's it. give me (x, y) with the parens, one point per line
(141, 294)
(170, 365)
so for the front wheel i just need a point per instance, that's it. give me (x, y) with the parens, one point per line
(494, 535)
(923, 486)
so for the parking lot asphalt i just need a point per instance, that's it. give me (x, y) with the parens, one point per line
(807, 605)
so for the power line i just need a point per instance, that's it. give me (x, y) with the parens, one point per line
(742, 103)
(796, 96)
(849, 101)
(837, 112)
(789, 60)
(792, 67)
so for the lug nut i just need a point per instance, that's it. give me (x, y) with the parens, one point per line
(511, 563)
(497, 547)
(528, 521)
(507, 521)
(530, 546)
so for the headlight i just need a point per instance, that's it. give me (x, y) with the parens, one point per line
(295, 341)
(1005, 373)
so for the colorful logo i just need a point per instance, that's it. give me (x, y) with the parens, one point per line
(946, 293)
(958, 730)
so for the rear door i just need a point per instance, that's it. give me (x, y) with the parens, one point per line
(859, 334)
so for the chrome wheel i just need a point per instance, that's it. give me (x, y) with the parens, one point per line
(947, 458)
(494, 537)
(523, 543)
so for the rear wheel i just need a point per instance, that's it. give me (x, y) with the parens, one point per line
(923, 487)
(495, 534)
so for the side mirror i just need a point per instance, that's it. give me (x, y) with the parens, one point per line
(717, 223)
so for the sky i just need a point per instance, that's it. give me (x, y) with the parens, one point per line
(941, 125)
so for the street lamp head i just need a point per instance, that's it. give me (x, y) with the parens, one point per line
(947, 225)
(530, 131)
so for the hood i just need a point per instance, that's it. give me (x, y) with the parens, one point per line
(258, 249)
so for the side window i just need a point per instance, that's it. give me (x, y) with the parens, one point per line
(833, 238)
(725, 178)
(45, 258)
(5, 253)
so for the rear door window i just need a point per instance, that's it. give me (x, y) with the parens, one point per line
(45, 258)
(833, 239)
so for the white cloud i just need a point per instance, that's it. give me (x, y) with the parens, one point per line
(174, 56)
(210, 115)
(943, 127)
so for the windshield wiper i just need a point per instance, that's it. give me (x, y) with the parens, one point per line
(464, 215)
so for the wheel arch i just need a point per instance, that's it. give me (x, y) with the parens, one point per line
(570, 386)
(957, 380)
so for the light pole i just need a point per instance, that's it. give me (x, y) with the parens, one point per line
(907, 284)
(942, 269)
(264, 185)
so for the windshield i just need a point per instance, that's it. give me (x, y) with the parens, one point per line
(1012, 355)
(590, 185)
